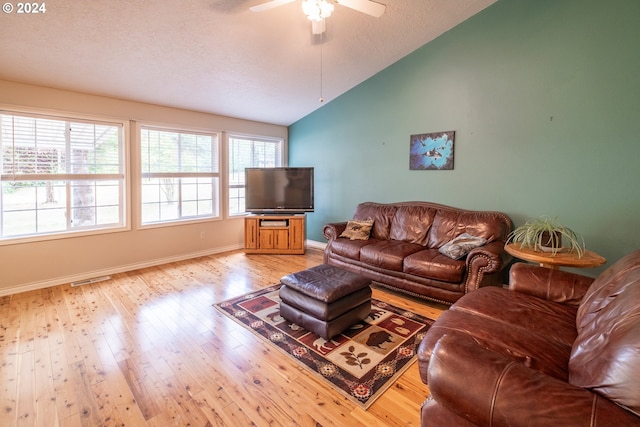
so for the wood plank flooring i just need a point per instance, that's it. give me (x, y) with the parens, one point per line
(146, 348)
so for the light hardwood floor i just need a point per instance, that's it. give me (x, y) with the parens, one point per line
(147, 348)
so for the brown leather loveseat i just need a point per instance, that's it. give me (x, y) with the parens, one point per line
(555, 349)
(404, 248)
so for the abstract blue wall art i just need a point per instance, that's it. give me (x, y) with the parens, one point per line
(432, 151)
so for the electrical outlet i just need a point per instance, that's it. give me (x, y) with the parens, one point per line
(202, 234)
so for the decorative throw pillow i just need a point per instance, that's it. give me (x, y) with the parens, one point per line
(461, 245)
(358, 230)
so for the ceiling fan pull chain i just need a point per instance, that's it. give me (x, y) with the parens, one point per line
(321, 43)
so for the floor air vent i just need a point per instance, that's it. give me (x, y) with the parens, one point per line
(89, 281)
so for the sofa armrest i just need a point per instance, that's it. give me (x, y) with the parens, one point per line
(487, 260)
(488, 388)
(331, 231)
(554, 285)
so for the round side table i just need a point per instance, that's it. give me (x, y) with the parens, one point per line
(589, 259)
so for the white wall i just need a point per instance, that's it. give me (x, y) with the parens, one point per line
(34, 265)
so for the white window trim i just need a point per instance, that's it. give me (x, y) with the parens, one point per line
(126, 199)
(137, 127)
(229, 135)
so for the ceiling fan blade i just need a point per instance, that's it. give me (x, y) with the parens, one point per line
(269, 5)
(365, 6)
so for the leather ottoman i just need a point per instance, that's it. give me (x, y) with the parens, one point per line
(325, 300)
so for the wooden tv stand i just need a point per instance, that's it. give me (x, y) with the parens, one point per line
(274, 234)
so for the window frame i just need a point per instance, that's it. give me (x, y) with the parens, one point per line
(254, 138)
(140, 175)
(123, 176)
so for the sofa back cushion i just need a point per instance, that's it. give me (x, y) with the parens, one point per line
(430, 224)
(381, 215)
(606, 354)
(412, 224)
(450, 223)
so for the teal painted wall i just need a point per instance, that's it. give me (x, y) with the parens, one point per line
(544, 97)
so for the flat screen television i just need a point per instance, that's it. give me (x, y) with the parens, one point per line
(286, 190)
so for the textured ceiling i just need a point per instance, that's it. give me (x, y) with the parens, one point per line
(215, 56)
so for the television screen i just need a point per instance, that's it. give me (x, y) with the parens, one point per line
(274, 190)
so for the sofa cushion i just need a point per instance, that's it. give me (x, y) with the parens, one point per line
(357, 230)
(350, 248)
(606, 354)
(412, 223)
(529, 330)
(448, 224)
(432, 264)
(380, 214)
(548, 319)
(388, 254)
(445, 227)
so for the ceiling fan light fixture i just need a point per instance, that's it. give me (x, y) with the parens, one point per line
(317, 10)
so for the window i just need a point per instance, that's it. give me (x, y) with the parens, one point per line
(180, 175)
(249, 153)
(60, 175)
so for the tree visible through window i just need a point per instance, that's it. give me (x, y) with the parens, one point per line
(180, 175)
(59, 175)
(245, 152)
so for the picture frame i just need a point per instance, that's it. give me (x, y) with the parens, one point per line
(432, 151)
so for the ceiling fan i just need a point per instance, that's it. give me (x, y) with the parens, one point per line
(318, 10)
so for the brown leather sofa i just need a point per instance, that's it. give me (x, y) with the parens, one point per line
(402, 250)
(555, 349)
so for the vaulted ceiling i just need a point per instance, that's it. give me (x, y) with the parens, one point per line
(216, 56)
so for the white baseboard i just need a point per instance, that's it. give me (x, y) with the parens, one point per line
(314, 244)
(108, 271)
(128, 267)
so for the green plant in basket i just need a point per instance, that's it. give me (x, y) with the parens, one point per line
(546, 234)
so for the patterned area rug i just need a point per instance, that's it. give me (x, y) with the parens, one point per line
(361, 363)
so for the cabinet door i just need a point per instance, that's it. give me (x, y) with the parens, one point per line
(266, 239)
(251, 233)
(281, 239)
(296, 233)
